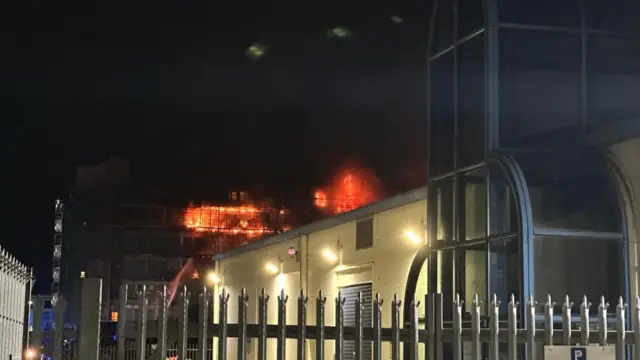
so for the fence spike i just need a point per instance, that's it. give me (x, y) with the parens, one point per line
(512, 345)
(457, 328)
(584, 319)
(621, 329)
(476, 346)
(531, 328)
(359, 306)
(566, 321)
(281, 339)
(223, 309)
(339, 342)
(320, 323)
(602, 321)
(243, 304)
(377, 327)
(395, 328)
(262, 325)
(302, 326)
(548, 321)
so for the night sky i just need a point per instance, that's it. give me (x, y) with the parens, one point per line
(168, 86)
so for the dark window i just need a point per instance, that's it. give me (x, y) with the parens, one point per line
(620, 16)
(539, 85)
(614, 79)
(471, 101)
(504, 218)
(443, 26)
(442, 194)
(472, 275)
(470, 16)
(571, 191)
(540, 12)
(445, 275)
(597, 269)
(505, 270)
(475, 204)
(364, 234)
(441, 116)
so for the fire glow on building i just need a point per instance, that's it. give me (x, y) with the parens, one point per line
(349, 190)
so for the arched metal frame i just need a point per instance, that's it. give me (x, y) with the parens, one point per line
(511, 168)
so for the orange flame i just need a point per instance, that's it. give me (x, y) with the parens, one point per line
(349, 190)
(245, 220)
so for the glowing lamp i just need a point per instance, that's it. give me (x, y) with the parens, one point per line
(292, 252)
(329, 256)
(415, 239)
(30, 354)
(271, 268)
(213, 278)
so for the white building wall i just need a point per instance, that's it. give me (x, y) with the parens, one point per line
(385, 265)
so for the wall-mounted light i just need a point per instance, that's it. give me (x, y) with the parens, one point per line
(272, 268)
(329, 256)
(413, 237)
(292, 252)
(213, 278)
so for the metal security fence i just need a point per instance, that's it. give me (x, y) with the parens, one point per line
(15, 288)
(473, 331)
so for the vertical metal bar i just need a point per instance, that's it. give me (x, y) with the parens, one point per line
(620, 330)
(143, 307)
(122, 321)
(512, 318)
(636, 330)
(566, 321)
(359, 327)
(262, 325)
(414, 340)
(222, 325)
(184, 323)
(548, 321)
(320, 302)
(438, 325)
(243, 305)
(584, 320)
(430, 310)
(281, 341)
(457, 328)
(377, 328)
(476, 346)
(203, 324)
(602, 321)
(339, 314)
(531, 329)
(162, 322)
(302, 326)
(395, 328)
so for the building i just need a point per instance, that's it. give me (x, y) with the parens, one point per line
(534, 133)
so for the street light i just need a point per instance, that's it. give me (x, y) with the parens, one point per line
(213, 278)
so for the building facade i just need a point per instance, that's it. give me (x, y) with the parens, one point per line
(534, 134)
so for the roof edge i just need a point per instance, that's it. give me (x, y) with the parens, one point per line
(357, 214)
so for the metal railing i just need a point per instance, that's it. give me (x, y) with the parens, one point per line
(512, 332)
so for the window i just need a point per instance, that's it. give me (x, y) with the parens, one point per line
(364, 234)
(598, 269)
(443, 27)
(471, 101)
(441, 117)
(475, 205)
(540, 12)
(539, 85)
(470, 16)
(442, 194)
(505, 270)
(620, 16)
(614, 79)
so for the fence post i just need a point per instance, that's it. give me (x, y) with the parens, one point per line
(183, 323)
(636, 330)
(377, 327)
(413, 354)
(512, 319)
(58, 330)
(566, 321)
(457, 328)
(143, 308)
(476, 346)
(531, 329)
(302, 323)
(621, 330)
(339, 342)
(222, 324)
(122, 321)
(281, 351)
(548, 321)
(602, 321)
(262, 325)
(89, 324)
(359, 327)
(243, 300)
(438, 325)
(203, 324)
(584, 319)
(395, 328)
(162, 323)
(494, 328)
(430, 312)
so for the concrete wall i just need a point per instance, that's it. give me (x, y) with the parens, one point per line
(385, 265)
(626, 156)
